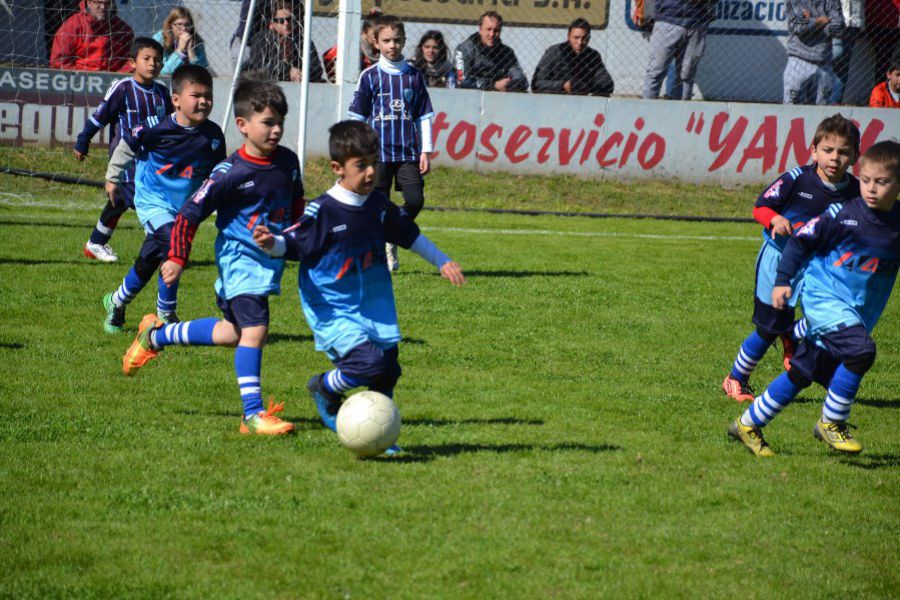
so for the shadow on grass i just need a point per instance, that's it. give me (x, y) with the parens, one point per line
(421, 454)
(871, 462)
(494, 421)
(277, 338)
(29, 262)
(879, 403)
(519, 274)
(11, 346)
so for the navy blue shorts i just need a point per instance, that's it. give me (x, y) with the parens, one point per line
(156, 245)
(819, 364)
(771, 320)
(248, 310)
(378, 368)
(127, 193)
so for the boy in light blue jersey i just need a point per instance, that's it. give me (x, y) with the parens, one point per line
(260, 183)
(853, 250)
(345, 284)
(174, 155)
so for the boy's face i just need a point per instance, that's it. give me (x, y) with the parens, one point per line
(194, 102)
(893, 77)
(878, 186)
(833, 154)
(390, 43)
(147, 65)
(357, 173)
(262, 131)
(282, 22)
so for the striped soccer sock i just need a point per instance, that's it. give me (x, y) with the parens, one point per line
(103, 231)
(131, 287)
(247, 367)
(841, 394)
(338, 382)
(187, 333)
(751, 352)
(767, 406)
(167, 297)
(798, 332)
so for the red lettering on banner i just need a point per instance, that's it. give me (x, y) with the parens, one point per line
(463, 128)
(566, 150)
(614, 140)
(631, 143)
(767, 150)
(725, 147)
(440, 124)
(490, 131)
(593, 136)
(547, 134)
(518, 138)
(796, 141)
(658, 143)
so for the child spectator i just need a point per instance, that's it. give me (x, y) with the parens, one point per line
(174, 155)
(345, 286)
(93, 39)
(483, 62)
(260, 183)
(887, 93)
(431, 60)
(127, 103)
(277, 51)
(792, 200)
(181, 44)
(853, 250)
(401, 117)
(368, 54)
(812, 24)
(572, 67)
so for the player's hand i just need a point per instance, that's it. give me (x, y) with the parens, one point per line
(501, 84)
(263, 237)
(780, 295)
(567, 87)
(112, 192)
(170, 271)
(823, 21)
(453, 272)
(78, 155)
(425, 163)
(781, 226)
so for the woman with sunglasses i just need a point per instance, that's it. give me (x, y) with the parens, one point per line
(181, 45)
(277, 51)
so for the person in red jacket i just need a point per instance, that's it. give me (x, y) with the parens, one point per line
(887, 93)
(93, 39)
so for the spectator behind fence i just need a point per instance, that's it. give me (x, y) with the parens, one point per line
(368, 54)
(181, 44)
(572, 67)
(679, 32)
(431, 60)
(842, 48)
(278, 50)
(812, 25)
(93, 39)
(887, 93)
(483, 62)
(883, 32)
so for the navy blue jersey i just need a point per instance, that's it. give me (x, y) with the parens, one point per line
(172, 161)
(244, 191)
(348, 297)
(126, 105)
(799, 195)
(855, 255)
(393, 101)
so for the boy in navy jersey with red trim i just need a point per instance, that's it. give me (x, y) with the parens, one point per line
(345, 284)
(174, 155)
(794, 198)
(853, 249)
(127, 103)
(260, 183)
(392, 98)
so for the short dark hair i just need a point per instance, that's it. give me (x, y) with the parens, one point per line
(144, 42)
(389, 21)
(252, 95)
(491, 14)
(190, 74)
(885, 153)
(894, 65)
(839, 125)
(350, 138)
(580, 23)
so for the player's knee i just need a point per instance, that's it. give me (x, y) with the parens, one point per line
(413, 200)
(798, 379)
(146, 267)
(860, 363)
(767, 335)
(391, 372)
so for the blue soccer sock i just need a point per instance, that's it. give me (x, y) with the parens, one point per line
(247, 367)
(798, 332)
(187, 333)
(167, 298)
(841, 394)
(767, 406)
(338, 382)
(751, 352)
(131, 287)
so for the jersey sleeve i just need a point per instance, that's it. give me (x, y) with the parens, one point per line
(816, 235)
(198, 207)
(778, 193)
(361, 105)
(398, 227)
(422, 108)
(306, 237)
(107, 111)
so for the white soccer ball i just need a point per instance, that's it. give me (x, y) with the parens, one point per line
(368, 423)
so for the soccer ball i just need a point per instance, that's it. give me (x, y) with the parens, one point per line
(368, 423)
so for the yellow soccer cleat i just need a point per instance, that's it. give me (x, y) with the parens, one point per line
(751, 437)
(266, 423)
(837, 435)
(140, 352)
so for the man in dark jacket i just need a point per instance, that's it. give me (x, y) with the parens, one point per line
(485, 63)
(572, 67)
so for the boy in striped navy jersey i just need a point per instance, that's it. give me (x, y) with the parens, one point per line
(392, 98)
(793, 199)
(174, 155)
(260, 183)
(127, 103)
(853, 250)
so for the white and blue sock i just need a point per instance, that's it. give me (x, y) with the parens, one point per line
(767, 406)
(751, 352)
(167, 298)
(798, 332)
(131, 287)
(247, 366)
(841, 394)
(187, 333)
(338, 382)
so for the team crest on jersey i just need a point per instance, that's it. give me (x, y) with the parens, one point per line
(136, 130)
(407, 95)
(397, 105)
(773, 190)
(809, 228)
(215, 144)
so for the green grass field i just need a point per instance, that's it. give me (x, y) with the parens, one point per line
(563, 425)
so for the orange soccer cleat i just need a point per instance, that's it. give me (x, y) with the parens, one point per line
(140, 352)
(266, 423)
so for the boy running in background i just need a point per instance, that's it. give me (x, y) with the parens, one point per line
(792, 200)
(260, 183)
(174, 155)
(855, 252)
(345, 284)
(127, 103)
(392, 98)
